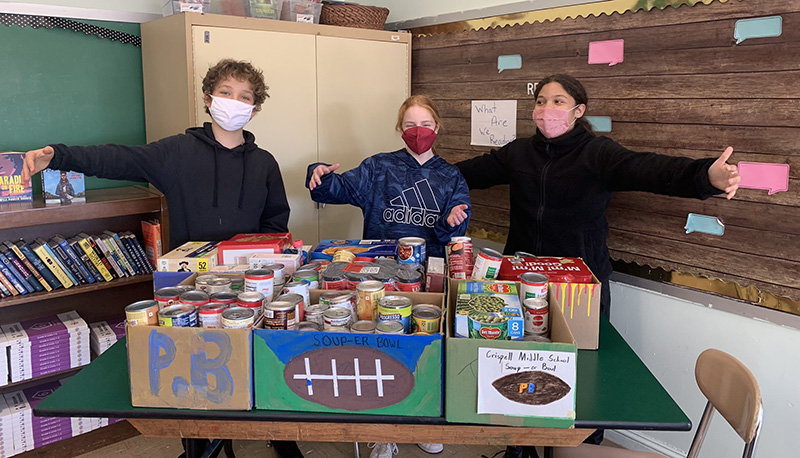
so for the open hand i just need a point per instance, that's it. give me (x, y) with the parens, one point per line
(36, 161)
(457, 215)
(318, 173)
(725, 176)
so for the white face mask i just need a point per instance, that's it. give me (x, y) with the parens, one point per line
(230, 114)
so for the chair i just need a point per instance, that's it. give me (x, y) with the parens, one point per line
(730, 389)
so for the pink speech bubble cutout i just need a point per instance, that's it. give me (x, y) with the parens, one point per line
(609, 52)
(759, 175)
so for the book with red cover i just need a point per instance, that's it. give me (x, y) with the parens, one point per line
(239, 248)
(558, 270)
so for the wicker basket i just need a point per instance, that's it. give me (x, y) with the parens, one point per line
(364, 17)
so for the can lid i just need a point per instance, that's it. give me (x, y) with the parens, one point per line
(281, 305)
(370, 286)
(394, 302)
(491, 253)
(265, 273)
(415, 241)
(363, 325)
(390, 327)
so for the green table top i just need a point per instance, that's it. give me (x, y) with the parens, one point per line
(615, 391)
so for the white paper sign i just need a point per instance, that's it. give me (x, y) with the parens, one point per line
(494, 122)
(526, 382)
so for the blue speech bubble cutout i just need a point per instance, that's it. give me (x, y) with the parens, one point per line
(705, 224)
(599, 123)
(510, 62)
(762, 27)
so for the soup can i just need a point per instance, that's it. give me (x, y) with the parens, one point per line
(348, 300)
(313, 313)
(334, 281)
(312, 276)
(459, 257)
(260, 280)
(353, 279)
(142, 313)
(308, 326)
(344, 256)
(196, 298)
(536, 311)
(411, 250)
(237, 284)
(238, 318)
(278, 271)
(425, 318)
(389, 327)
(386, 277)
(301, 288)
(201, 281)
(336, 317)
(210, 315)
(369, 293)
(532, 285)
(225, 297)
(297, 300)
(179, 315)
(395, 308)
(490, 326)
(280, 315)
(363, 327)
(168, 296)
(251, 300)
(409, 280)
(487, 264)
(344, 328)
(218, 285)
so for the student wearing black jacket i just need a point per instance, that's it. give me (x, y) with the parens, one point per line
(216, 180)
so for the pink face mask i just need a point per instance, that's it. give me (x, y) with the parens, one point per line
(419, 139)
(553, 122)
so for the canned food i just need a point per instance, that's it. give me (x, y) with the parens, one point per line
(363, 327)
(301, 288)
(425, 318)
(395, 308)
(532, 285)
(536, 311)
(353, 279)
(409, 280)
(280, 315)
(260, 280)
(238, 318)
(168, 296)
(251, 300)
(333, 281)
(389, 327)
(411, 250)
(210, 315)
(344, 256)
(196, 298)
(308, 326)
(369, 292)
(459, 257)
(142, 313)
(487, 264)
(337, 329)
(278, 270)
(311, 266)
(490, 326)
(237, 284)
(313, 313)
(295, 299)
(312, 276)
(386, 277)
(225, 297)
(179, 315)
(218, 285)
(336, 317)
(201, 282)
(347, 300)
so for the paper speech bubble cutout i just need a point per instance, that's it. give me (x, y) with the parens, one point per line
(761, 27)
(609, 52)
(705, 224)
(759, 175)
(510, 62)
(599, 123)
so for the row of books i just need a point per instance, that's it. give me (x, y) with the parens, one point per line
(60, 262)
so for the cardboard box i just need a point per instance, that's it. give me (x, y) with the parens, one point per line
(190, 257)
(361, 248)
(293, 370)
(240, 247)
(165, 363)
(291, 261)
(462, 374)
(506, 293)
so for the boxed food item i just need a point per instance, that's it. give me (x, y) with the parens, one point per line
(239, 248)
(488, 309)
(558, 270)
(361, 248)
(291, 261)
(435, 275)
(190, 257)
(270, 9)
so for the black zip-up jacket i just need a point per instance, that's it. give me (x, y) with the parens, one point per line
(213, 192)
(561, 188)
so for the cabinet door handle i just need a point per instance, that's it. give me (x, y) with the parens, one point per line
(319, 205)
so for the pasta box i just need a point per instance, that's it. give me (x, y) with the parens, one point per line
(361, 248)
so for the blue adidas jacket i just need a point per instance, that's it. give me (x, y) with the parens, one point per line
(399, 197)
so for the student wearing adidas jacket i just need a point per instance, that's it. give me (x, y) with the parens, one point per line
(408, 193)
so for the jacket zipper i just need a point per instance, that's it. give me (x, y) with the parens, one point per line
(540, 213)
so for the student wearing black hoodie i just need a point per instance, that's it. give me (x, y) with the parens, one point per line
(217, 181)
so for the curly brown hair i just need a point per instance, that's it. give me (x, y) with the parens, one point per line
(242, 71)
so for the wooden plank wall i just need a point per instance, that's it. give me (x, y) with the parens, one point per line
(684, 88)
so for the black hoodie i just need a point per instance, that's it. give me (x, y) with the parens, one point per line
(561, 188)
(213, 192)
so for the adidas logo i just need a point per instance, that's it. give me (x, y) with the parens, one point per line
(415, 205)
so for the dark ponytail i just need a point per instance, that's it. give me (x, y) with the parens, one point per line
(574, 88)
